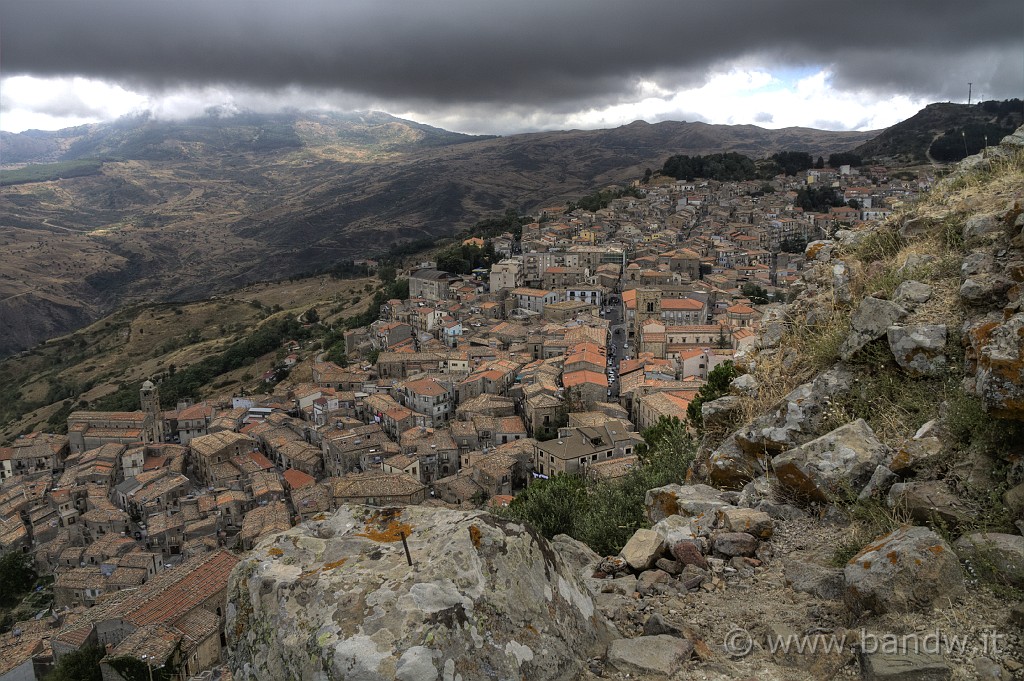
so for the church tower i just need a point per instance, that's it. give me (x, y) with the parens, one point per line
(648, 307)
(149, 398)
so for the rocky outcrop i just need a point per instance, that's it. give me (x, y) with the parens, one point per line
(911, 569)
(996, 352)
(336, 598)
(871, 320)
(837, 464)
(919, 349)
(999, 555)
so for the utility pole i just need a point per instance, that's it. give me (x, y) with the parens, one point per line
(969, 85)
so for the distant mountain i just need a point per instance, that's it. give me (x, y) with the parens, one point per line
(938, 129)
(168, 210)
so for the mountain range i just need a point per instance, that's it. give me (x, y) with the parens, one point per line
(97, 216)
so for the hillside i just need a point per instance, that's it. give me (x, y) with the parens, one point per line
(919, 138)
(181, 211)
(86, 368)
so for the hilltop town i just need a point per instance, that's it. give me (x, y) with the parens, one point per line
(589, 328)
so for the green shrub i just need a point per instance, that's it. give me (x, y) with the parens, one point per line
(605, 514)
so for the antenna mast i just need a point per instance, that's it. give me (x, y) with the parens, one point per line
(969, 93)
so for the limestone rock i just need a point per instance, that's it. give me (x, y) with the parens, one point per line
(999, 555)
(919, 349)
(982, 226)
(673, 529)
(721, 412)
(841, 283)
(693, 501)
(693, 576)
(745, 385)
(335, 598)
(755, 523)
(658, 655)
(735, 544)
(820, 250)
(649, 579)
(984, 290)
(911, 293)
(917, 454)
(879, 484)
(839, 462)
(824, 663)
(731, 466)
(871, 320)
(819, 581)
(929, 501)
(998, 353)
(911, 665)
(915, 226)
(909, 570)
(642, 549)
(1014, 499)
(799, 416)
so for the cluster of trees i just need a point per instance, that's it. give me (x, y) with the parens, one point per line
(464, 258)
(717, 386)
(845, 159)
(959, 143)
(600, 199)
(399, 288)
(728, 167)
(17, 577)
(791, 162)
(605, 514)
(757, 294)
(818, 199)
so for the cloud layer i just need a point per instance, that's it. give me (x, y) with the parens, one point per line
(528, 62)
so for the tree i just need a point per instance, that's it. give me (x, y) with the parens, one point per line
(717, 386)
(820, 163)
(80, 665)
(553, 506)
(757, 294)
(16, 577)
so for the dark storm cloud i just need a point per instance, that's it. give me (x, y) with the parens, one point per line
(561, 55)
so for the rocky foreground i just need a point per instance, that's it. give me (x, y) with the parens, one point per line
(864, 522)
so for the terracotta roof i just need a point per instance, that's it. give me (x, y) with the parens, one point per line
(297, 479)
(180, 590)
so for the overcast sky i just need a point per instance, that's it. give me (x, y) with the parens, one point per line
(483, 66)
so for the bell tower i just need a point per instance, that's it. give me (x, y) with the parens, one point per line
(149, 398)
(648, 307)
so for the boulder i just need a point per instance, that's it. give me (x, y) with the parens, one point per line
(745, 385)
(915, 226)
(336, 598)
(994, 555)
(734, 544)
(986, 226)
(642, 549)
(1014, 500)
(909, 570)
(649, 656)
(883, 664)
(721, 412)
(692, 577)
(930, 502)
(672, 567)
(731, 466)
(984, 290)
(917, 454)
(799, 417)
(916, 262)
(819, 581)
(919, 349)
(648, 580)
(814, 654)
(869, 322)
(819, 251)
(755, 523)
(911, 293)
(841, 283)
(692, 501)
(837, 463)
(881, 480)
(674, 528)
(689, 553)
(997, 349)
